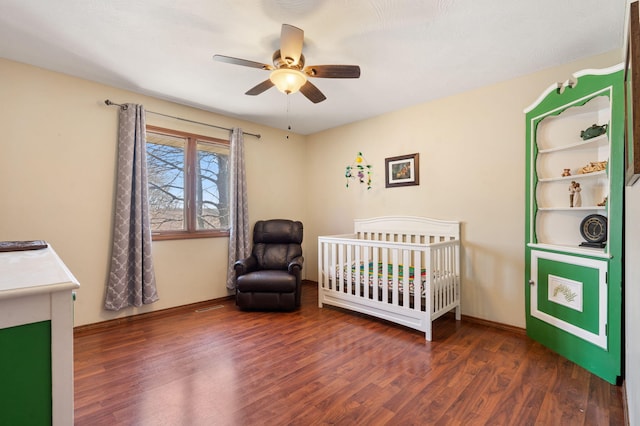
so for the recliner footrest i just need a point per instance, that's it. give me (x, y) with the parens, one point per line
(267, 281)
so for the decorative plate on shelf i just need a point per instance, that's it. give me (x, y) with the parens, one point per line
(593, 229)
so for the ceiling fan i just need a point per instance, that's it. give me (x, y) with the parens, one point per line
(288, 72)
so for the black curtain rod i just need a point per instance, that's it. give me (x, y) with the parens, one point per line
(257, 135)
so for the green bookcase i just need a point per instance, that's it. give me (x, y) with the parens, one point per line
(573, 279)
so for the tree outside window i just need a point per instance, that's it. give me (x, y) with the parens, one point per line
(188, 184)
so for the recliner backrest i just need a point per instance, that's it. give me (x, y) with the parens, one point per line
(277, 242)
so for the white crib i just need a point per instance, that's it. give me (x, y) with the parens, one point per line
(366, 272)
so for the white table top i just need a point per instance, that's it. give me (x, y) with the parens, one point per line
(33, 271)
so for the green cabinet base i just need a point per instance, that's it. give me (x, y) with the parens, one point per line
(25, 374)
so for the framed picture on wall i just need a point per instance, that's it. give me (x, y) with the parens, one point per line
(403, 170)
(632, 97)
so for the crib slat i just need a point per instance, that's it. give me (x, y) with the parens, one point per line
(385, 275)
(443, 279)
(354, 272)
(376, 288)
(351, 250)
(341, 268)
(454, 275)
(417, 280)
(334, 261)
(428, 300)
(444, 284)
(405, 278)
(450, 267)
(326, 277)
(439, 287)
(322, 266)
(394, 275)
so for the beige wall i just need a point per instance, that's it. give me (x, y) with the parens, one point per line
(57, 174)
(472, 159)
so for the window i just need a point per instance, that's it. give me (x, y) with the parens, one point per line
(188, 184)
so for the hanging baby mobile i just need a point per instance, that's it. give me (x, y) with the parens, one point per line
(359, 170)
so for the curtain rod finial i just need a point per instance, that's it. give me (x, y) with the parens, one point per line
(108, 102)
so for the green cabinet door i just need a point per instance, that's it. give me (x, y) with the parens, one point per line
(569, 310)
(25, 374)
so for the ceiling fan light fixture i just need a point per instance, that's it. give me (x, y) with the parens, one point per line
(288, 80)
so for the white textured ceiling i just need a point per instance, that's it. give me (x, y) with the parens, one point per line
(409, 51)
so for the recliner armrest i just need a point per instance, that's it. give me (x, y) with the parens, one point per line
(296, 263)
(244, 266)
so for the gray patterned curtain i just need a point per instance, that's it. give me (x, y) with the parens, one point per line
(239, 210)
(131, 278)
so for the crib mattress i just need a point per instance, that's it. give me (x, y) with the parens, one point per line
(377, 277)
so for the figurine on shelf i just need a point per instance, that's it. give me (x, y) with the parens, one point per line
(572, 192)
(566, 172)
(575, 200)
(603, 202)
(594, 166)
(593, 131)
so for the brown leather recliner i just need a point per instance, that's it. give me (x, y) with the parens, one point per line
(270, 279)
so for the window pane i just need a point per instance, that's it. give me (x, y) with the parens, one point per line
(165, 165)
(212, 176)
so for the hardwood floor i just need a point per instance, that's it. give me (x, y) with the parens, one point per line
(326, 366)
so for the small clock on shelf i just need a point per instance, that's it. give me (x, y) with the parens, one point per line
(593, 229)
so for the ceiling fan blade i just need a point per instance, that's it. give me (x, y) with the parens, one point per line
(312, 93)
(243, 62)
(256, 90)
(291, 40)
(333, 71)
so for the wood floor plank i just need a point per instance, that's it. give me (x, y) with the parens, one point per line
(325, 366)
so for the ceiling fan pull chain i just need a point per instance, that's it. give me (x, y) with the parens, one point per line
(288, 118)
